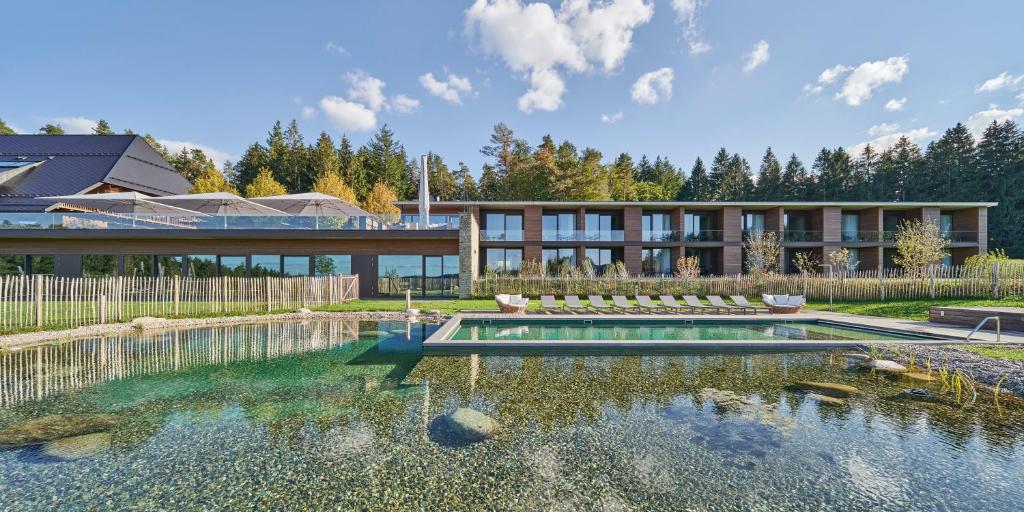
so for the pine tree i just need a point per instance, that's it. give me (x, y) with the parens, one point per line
(355, 173)
(254, 158)
(102, 128)
(620, 180)
(489, 184)
(825, 186)
(211, 180)
(52, 129)
(719, 167)
(467, 189)
(698, 187)
(670, 179)
(644, 171)
(442, 182)
(386, 162)
(6, 130)
(769, 178)
(865, 170)
(907, 163)
(381, 201)
(331, 184)
(951, 165)
(265, 185)
(159, 148)
(1000, 177)
(795, 180)
(295, 172)
(323, 158)
(192, 163)
(736, 182)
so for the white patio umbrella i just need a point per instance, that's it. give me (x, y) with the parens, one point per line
(218, 203)
(312, 204)
(120, 202)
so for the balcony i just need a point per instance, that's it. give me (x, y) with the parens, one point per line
(791, 235)
(579, 235)
(501, 235)
(119, 221)
(666, 235)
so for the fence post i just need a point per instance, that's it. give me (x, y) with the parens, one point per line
(995, 279)
(103, 309)
(177, 295)
(931, 277)
(805, 284)
(270, 306)
(120, 297)
(38, 298)
(881, 284)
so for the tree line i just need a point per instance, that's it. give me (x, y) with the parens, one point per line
(954, 167)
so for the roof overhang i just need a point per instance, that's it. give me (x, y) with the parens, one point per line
(711, 205)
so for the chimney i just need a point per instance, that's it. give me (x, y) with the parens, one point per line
(424, 193)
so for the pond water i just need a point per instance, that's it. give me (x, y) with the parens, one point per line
(350, 415)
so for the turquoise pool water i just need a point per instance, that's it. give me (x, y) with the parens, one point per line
(334, 415)
(622, 329)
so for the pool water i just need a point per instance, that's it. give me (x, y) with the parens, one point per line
(349, 415)
(622, 329)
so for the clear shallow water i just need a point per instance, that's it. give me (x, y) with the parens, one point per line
(346, 415)
(550, 330)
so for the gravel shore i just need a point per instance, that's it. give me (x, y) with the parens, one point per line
(986, 370)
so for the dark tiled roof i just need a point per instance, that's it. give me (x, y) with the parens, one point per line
(73, 163)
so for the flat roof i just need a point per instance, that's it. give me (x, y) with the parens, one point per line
(711, 204)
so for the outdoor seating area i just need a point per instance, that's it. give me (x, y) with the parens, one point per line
(692, 304)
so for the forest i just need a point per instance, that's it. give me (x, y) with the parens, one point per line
(954, 167)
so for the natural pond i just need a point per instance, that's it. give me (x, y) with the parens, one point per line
(351, 415)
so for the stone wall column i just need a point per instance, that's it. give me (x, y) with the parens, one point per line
(469, 251)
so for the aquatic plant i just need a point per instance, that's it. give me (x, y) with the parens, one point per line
(998, 388)
(874, 352)
(962, 385)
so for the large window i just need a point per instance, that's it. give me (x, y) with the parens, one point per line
(753, 222)
(700, 227)
(851, 227)
(168, 266)
(556, 259)
(559, 226)
(12, 265)
(656, 261)
(138, 265)
(204, 265)
(424, 275)
(501, 259)
(946, 225)
(333, 265)
(442, 275)
(656, 227)
(233, 266)
(706, 257)
(600, 227)
(99, 265)
(600, 258)
(293, 266)
(265, 265)
(503, 226)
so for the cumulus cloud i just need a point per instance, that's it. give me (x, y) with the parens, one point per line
(1004, 80)
(74, 125)
(366, 89)
(653, 87)
(827, 77)
(887, 135)
(308, 112)
(611, 119)
(980, 120)
(757, 56)
(869, 76)
(404, 104)
(348, 115)
(337, 49)
(540, 43)
(686, 15)
(450, 90)
(218, 156)
(895, 105)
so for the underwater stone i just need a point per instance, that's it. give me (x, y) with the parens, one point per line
(827, 400)
(858, 356)
(148, 322)
(829, 388)
(58, 426)
(924, 377)
(303, 311)
(471, 425)
(78, 447)
(884, 365)
(918, 394)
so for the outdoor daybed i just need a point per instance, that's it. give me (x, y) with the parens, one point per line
(511, 303)
(783, 304)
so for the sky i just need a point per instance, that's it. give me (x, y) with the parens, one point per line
(677, 78)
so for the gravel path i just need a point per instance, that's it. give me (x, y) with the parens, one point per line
(987, 370)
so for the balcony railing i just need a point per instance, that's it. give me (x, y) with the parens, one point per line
(666, 235)
(791, 235)
(582, 235)
(112, 221)
(501, 235)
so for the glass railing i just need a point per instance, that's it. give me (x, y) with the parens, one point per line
(109, 221)
(707, 235)
(666, 235)
(802, 236)
(501, 235)
(580, 235)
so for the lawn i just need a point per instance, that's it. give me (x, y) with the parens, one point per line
(913, 309)
(1011, 353)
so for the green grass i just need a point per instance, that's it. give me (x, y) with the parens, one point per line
(1010, 353)
(914, 309)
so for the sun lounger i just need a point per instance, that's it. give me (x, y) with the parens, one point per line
(621, 303)
(512, 304)
(697, 305)
(671, 304)
(597, 303)
(717, 302)
(645, 302)
(547, 303)
(573, 303)
(743, 302)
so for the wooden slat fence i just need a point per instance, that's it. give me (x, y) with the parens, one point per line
(47, 301)
(888, 284)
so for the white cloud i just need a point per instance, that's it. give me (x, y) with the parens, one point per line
(895, 105)
(348, 115)
(404, 104)
(366, 89)
(1021, 97)
(865, 78)
(1002, 81)
(827, 77)
(450, 89)
(611, 119)
(74, 125)
(218, 156)
(980, 120)
(686, 15)
(887, 135)
(812, 90)
(308, 112)
(653, 87)
(757, 56)
(540, 43)
(335, 48)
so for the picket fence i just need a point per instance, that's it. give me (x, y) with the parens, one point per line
(889, 284)
(48, 301)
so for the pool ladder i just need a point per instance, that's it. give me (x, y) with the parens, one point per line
(982, 323)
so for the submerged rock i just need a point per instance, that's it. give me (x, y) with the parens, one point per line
(58, 426)
(884, 365)
(829, 388)
(471, 425)
(826, 400)
(303, 311)
(148, 322)
(856, 355)
(923, 377)
(919, 395)
(78, 447)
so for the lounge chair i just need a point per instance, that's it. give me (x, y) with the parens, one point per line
(547, 303)
(717, 302)
(597, 303)
(512, 304)
(671, 304)
(622, 303)
(645, 302)
(783, 304)
(742, 302)
(697, 305)
(573, 303)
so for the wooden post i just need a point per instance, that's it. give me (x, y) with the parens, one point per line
(38, 298)
(103, 309)
(269, 305)
(881, 284)
(120, 297)
(177, 295)
(995, 279)
(931, 277)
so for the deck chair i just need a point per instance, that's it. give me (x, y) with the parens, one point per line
(573, 303)
(547, 303)
(697, 305)
(742, 302)
(621, 303)
(718, 302)
(645, 302)
(671, 304)
(597, 303)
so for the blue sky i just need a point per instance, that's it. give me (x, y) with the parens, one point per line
(617, 76)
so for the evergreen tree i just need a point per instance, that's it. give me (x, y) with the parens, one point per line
(6, 130)
(620, 179)
(736, 183)
(951, 166)
(467, 189)
(591, 183)
(330, 183)
(192, 163)
(698, 187)
(906, 165)
(719, 167)
(386, 163)
(254, 158)
(865, 170)
(265, 185)
(295, 172)
(825, 186)
(159, 148)
(323, 158)
(670, 179)
(769, 178)
(1000, 178)
(381, 201)
(644, 171)
(211, 181)
(489, 184)
(442, 182)
(52, 129)
(795, 180)
(355, 173)
(102, 128)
